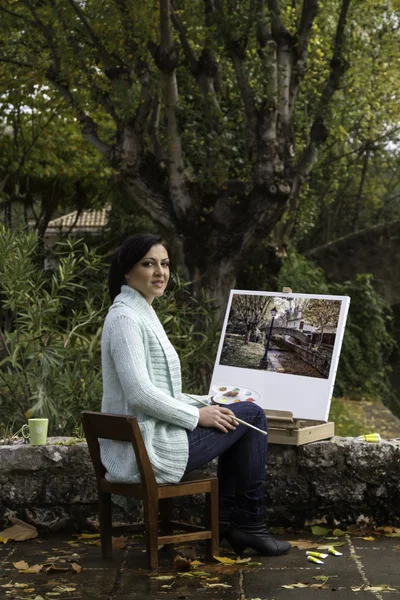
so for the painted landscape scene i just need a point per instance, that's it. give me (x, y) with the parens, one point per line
(289, 335)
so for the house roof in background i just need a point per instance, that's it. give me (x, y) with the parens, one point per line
(87, 220)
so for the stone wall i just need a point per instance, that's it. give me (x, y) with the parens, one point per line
(338, 481)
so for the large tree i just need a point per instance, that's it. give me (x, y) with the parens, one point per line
(212, 113)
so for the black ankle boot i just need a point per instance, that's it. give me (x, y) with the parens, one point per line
(257, 538)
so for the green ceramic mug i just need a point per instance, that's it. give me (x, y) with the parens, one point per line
(36, 430)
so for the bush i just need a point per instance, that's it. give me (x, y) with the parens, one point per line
(368, 341)
(51, 323)
(50, 338)
(364, 369)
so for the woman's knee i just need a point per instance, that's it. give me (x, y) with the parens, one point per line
(251, 412)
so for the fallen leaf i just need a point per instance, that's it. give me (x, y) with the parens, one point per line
(317, 530)
(386, 529)
(212, 579)
(181, 563)
(8, 585)
(75, 544)
(32, 569)
(379, 588)
(3, 540)
(394, 535)
(168, 587)
(396, 548)
(118, 543)
(240, 561)
(293, 586)
(64, 588)
(47, 567)
(254, 564)
(21, 565)
(163, 577)
(323, 577)
(196, 563)
(327, 546)
(217, 585)
(224, 560)
(319, 586)
(21, 585)
(338, 532)
(87, 536)
(369, 538)
(76, 567)
(358, 589)
(303, 544)
(20, 531)
(29, 590)
(194, 574)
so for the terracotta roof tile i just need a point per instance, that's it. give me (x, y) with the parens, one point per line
(88, 219)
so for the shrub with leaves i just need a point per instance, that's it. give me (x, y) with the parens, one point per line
(50, 333)
(368, 341)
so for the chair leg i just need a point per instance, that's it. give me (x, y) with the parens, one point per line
(212, 521)
(166, 512)
(105, 511)
(151, 529)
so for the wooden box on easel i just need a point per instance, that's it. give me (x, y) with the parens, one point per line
(283, 428)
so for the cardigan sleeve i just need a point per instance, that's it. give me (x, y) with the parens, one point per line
(193, 400)
(129, 357)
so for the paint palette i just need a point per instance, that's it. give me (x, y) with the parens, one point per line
(229, 394)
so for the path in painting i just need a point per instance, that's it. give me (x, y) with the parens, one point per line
(236, 353)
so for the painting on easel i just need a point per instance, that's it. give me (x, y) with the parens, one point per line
(283, 348)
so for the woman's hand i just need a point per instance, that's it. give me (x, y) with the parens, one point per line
(217, 416)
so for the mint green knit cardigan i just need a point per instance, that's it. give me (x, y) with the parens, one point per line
(142, 377)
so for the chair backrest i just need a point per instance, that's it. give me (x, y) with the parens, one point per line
(121, 428)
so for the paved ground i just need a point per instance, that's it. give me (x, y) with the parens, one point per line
(365, 564)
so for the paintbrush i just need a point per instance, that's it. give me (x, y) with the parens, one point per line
(236, 418)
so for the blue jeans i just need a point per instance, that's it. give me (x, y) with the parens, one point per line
(241, 464)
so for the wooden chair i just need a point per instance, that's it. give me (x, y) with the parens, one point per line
(157, 498)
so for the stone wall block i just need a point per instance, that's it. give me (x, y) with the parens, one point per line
(22, 488)
(374, 463)
(33, 458)
(321, 455)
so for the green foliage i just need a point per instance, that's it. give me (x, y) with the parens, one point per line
(50, 341)
(50, 363)
(302, 275)
(368, 341)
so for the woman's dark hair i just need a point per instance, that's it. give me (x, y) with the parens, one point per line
(127, 256)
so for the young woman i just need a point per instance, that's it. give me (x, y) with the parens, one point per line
(142, 377)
